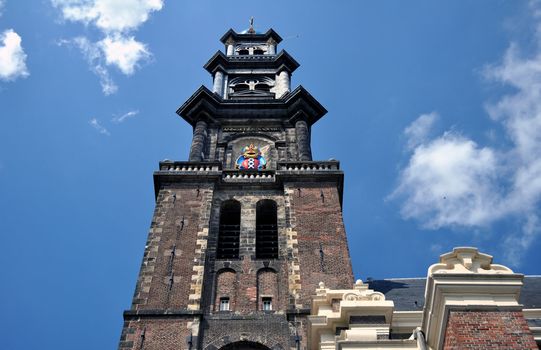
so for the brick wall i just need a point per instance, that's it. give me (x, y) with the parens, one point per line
(226, 286)
(487, 330)
(166, 272)
(323, 254)
(155, 334)
(267, 286)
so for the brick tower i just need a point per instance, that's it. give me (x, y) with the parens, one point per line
(244, 231)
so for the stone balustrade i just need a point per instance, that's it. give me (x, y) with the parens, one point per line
(309, 166)
(248, 176)
(189, 166)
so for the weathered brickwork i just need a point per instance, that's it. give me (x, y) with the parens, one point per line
(156, 334)
(487, 330)
(226, 287)
(247, 266)
(323, 254)
(267, 287)
(270, 330)
(173, 244)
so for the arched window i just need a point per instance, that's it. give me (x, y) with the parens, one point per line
(262, 87)
(226, 286)
(266, 236)
(241, 87)
(267, 289)
(228, 236)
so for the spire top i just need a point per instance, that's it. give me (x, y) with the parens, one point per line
(251, 30)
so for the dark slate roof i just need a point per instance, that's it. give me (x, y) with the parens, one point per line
(404, 292)
(408, 293)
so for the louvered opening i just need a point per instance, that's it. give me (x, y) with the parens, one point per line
(228, 237)
(266, 230)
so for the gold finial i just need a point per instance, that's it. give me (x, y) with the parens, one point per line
(251, 30)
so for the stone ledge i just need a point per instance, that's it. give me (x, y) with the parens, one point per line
(132, 314)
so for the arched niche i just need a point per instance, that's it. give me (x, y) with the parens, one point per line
(226, 290)
(264, 144)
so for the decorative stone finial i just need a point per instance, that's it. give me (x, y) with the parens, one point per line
(467, 260)
(251, 30)
(321, 285)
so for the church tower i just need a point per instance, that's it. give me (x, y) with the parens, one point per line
(246, 229)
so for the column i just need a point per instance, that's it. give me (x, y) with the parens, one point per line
(303, 140)
(230, 50)
(230, 47)
(271, 47)
(217, 87)
(282, 83)
(198, 141)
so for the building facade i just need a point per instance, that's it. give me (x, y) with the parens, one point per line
(247, 247)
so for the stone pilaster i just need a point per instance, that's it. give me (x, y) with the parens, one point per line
(218, 86)
(198, 141)
(282, 83)
(303, 140)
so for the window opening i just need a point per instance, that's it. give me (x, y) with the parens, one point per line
(224, 304)
(266, 230)
(267, 304)
(262, 87)
(258, 52)
(244, 52)
(228, 237)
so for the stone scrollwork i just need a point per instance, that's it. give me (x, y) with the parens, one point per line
(366, 295)
(467, 260)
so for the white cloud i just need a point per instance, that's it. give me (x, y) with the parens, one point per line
(111, 16)
(451, 181)
(116, 19)
(100, 128)
(121, 118)
(94, 57)
(123, 52)
(418, 131)
(12, 57)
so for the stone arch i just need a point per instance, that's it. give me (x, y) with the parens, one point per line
(249, 134)
(244, 345)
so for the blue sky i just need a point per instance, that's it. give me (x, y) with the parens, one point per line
(434, 113)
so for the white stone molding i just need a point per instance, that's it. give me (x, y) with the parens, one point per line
(466, 279)
(467, 260)
(357, 302)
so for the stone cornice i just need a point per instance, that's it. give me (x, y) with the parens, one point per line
(249, 37)
(205, 105)
(277, 63)
(286, 172)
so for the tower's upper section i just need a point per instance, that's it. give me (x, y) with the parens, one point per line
(251, 66)
(251, 107)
